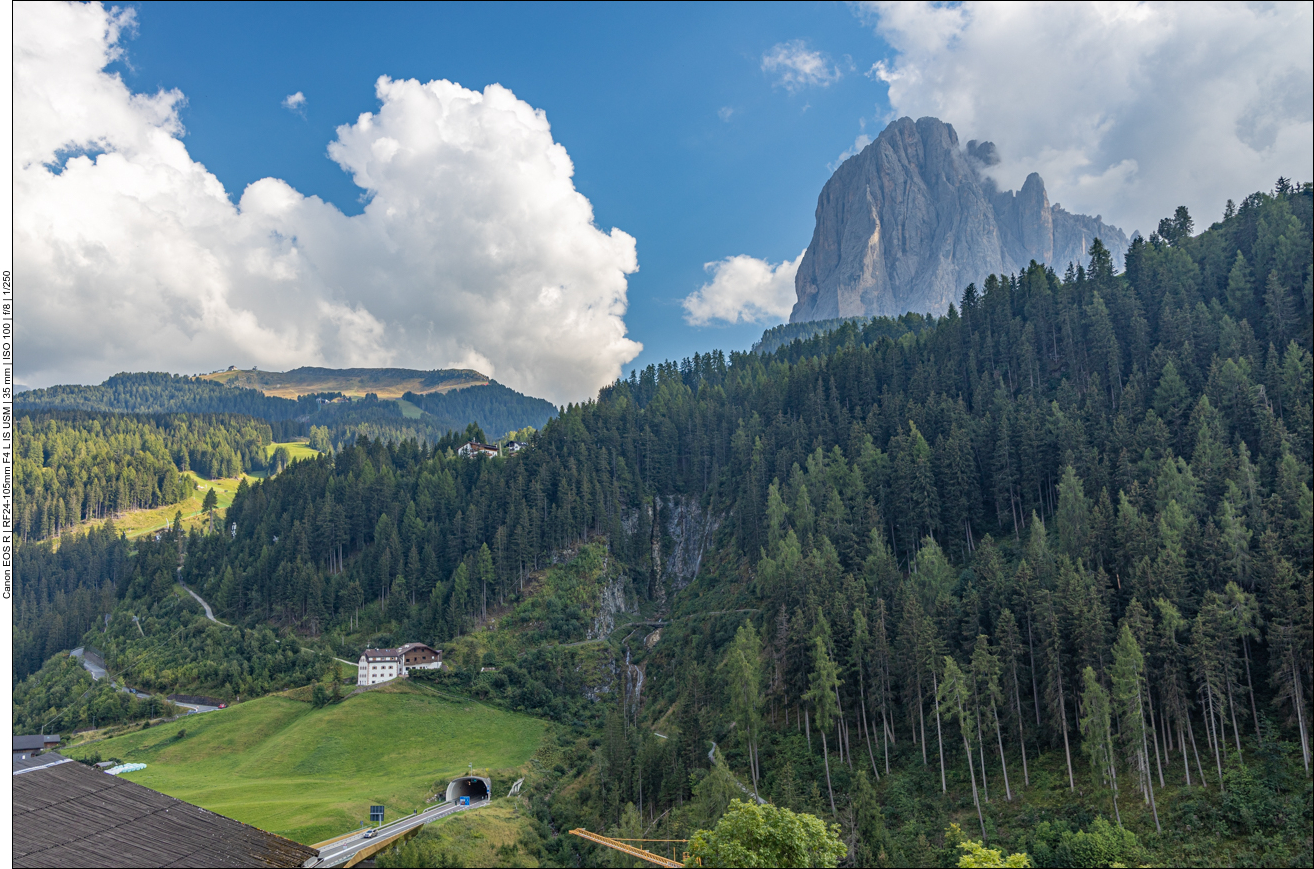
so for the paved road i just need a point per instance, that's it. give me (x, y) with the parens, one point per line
(196, 708)
(209, 614)
(343, 850)
(95, 666)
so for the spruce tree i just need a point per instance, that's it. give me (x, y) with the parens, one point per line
(1128, 675)
(1239, 293)
(953, 701)
(822, 691)
(1097, 736)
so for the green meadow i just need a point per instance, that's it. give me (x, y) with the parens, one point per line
(491, 836)
(409, 410)
(297, 450)
(310, 774)
(134, 523)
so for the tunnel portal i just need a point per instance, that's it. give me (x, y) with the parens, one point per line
(475, 787)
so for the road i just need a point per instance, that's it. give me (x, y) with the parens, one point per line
(339, 852)
(209, 614)
(95, 666)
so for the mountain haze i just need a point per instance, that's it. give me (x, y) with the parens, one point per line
(908, 222)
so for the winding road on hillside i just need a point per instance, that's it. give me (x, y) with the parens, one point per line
(338, 852)
(91, 661)
(209, 613)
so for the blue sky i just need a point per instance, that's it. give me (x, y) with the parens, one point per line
(632, 91)
(164, 186)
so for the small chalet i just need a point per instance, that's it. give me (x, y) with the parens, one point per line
(382, 665)
(513, 447)
(476, 450)
(31, 746)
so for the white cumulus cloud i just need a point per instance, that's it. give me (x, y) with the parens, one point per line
(475, 249)
(295, 103)
(1126, 109)
(743, 289)
(794, 66)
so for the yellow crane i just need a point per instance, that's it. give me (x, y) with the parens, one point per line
(639, 853)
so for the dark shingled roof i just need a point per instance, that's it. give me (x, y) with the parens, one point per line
(27, 743)
(72, 815)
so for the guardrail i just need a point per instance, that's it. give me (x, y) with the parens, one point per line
(383, 839)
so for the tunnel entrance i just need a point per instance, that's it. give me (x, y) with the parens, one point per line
(473, 786)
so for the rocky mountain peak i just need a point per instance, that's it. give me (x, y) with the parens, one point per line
(910, 221)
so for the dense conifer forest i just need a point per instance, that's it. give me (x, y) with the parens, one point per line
(1041, 566)
(498, 409)
(495, 408)
(72, 466)
(65, 592)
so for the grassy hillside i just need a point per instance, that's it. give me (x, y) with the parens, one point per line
(297, 450)
(492, 836)
(383, 382)
(310, 774)
(134, 523)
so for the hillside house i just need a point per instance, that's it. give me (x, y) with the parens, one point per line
(513, 447)
(382, 665)
(476, 450)
(31, 746)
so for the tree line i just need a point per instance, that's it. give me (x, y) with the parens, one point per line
(497, 408)
(73, 466)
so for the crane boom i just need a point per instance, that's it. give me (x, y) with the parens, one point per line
(627, 849)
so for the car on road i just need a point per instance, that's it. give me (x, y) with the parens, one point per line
(370, 834)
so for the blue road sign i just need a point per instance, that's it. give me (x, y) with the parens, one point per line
(376, 814)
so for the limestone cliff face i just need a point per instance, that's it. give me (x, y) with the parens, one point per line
(909, 222)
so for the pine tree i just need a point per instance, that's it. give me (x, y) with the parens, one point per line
(1054, 691)
(1245, 623)
(822, 691)
(881, 666)
(1239, 293)
(1073, 518)
(953, 700)
(1128, 676)
(1010, 652)
(1207, 638)
(987, 698)
(1097, 736)
(742, 671)
(1279, 310)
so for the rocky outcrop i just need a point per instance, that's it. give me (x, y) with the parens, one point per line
(678, 537)
(909, 222)
(611, 603)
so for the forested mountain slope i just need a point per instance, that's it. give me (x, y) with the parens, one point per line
(158, 392)
(293, 401)
(71, 466)
(1062, 538)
